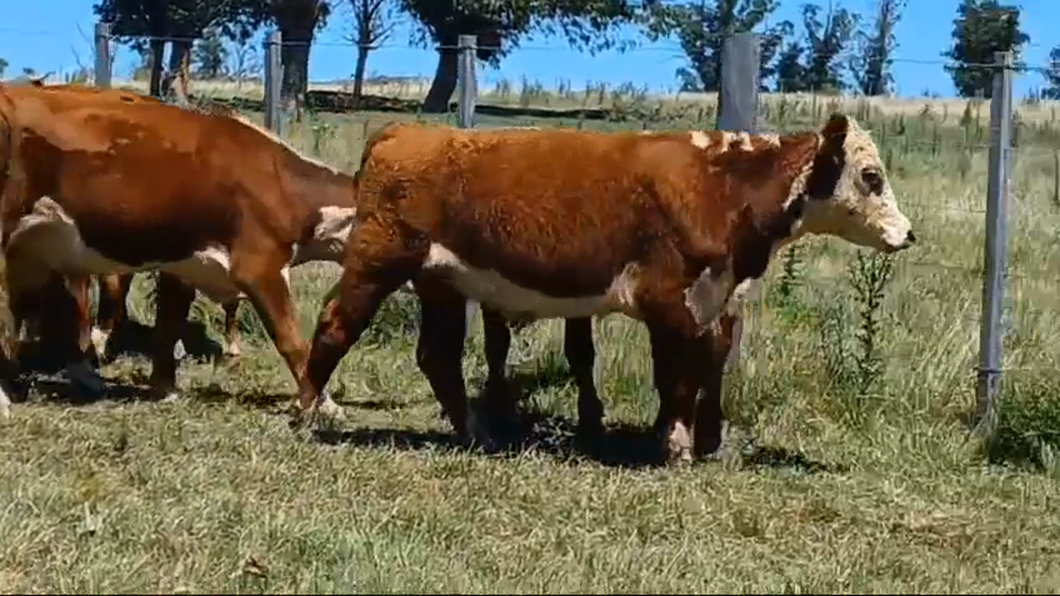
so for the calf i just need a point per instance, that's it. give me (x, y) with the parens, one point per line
(115, 187)
(665, 228)
(114, 287)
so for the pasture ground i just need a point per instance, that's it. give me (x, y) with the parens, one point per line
(849, 467)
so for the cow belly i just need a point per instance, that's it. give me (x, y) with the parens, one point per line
(517, 302)
(208, 271)
(47, 239)
(48, 236)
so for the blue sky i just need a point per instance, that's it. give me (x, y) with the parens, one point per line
(54, 35)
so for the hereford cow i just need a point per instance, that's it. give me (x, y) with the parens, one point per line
(114, 288)
(667, 228)
(208, 199)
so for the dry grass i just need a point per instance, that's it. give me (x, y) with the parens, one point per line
(824, 488)
(534, 93)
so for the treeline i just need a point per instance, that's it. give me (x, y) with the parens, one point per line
(835, 50)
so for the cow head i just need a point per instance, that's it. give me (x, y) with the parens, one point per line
(847, 192)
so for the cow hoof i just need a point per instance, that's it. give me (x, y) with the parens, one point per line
(679, 444)
(83, 376)
(301, 418)
(478, 434)
(232, 351)
(100, 339)
(328, 410)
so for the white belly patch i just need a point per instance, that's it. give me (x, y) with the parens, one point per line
(47, 239)
(514, 301)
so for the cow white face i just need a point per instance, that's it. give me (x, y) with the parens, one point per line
(848, 192)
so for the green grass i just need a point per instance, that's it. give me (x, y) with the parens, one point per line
(848, 468)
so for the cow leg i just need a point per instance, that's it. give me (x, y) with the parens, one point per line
(80, 286)
(64, 323)
(174, 298)
(265, 282)
(385, 260)
(440, 355)
(269, 292)
(581, 356)
(112, 312)
(499, 400)
(232, 337)
(677, 384)
(708, 425)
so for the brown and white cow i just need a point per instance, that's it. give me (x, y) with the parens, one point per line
(208, 199)
(666, 228)
(114, 287)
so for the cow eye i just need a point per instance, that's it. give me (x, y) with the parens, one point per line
(873, 179)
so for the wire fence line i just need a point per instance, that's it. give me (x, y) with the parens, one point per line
(740, 108)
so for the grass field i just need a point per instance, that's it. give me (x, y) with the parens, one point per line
(848, 467)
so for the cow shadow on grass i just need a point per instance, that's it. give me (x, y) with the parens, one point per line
(619, 446)
(42, 371)
(133, 338)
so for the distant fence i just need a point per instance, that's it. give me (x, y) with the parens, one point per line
(738, 105)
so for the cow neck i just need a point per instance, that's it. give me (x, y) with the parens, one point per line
(771, 214)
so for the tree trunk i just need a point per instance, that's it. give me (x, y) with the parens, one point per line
(158, 48)
(358, 73)
(294, 55)
(179, 53)
(444, 83)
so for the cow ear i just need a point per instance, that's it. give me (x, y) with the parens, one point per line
(838, 124)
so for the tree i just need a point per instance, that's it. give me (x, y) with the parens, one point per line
(3, 66)
(500, 24)
(825, 43)
(210, 55)
(981, 28)
(870, 63)
(298, 21)
(702, 28)
(245, 62)
(177, 21)
(1052, 76)
(373, 22)
(791, 74)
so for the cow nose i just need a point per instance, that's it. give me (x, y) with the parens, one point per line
(910, 238)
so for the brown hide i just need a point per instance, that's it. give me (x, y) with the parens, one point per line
(148, 184)
(526, 204)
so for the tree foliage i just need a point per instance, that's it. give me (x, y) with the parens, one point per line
(814, 64)
(1052, 76)
(826, 40)
(147, 25)
(501, 24)
(981, 28)
(210, 55)
(870, 62)
(701, 28)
